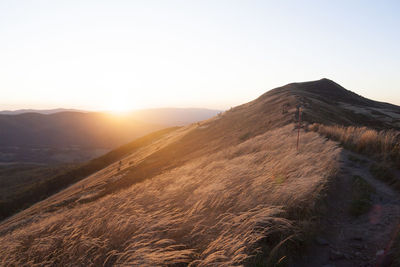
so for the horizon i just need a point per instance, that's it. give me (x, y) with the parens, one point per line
(110, 111)
(150, 54)
(199, 133)
(128, 111)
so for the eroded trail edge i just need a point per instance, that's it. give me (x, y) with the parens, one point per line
(349, 240)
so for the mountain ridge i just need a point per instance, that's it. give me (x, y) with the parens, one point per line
(40, 111)
(325, 101)
(71, 136)
(229, 190)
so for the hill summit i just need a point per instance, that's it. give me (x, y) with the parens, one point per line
(327, 102)
(230, 190)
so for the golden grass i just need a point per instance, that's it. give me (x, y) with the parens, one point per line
(213, 211)
(382, 144)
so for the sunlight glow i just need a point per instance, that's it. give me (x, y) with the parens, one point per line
(214, 54)
(119, 106)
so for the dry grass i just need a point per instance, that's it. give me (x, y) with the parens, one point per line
(385, 145)
(216, 210)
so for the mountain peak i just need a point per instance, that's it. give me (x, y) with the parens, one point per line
(322, 84)
(325, 80)
(325, 101)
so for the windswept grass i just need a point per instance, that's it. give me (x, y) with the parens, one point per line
(383, 145)
(383, 172)
(220, 209)
(52, 180)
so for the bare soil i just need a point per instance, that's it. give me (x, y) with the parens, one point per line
(346, 240)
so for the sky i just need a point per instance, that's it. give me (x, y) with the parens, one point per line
(120, 55)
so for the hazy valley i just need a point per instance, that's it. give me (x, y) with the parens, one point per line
(54, 136)
(41, 152)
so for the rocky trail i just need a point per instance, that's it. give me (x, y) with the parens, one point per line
(348, 240)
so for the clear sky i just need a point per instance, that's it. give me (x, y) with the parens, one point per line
(215, 54)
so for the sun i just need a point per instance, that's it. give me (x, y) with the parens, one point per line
(119, 105)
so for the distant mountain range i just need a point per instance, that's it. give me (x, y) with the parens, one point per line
(41, 111)
(233, 190)
(162, 116)
(36, 135)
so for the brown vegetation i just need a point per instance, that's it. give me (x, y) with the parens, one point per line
(46, 181)
(232, 190)
(218, 209)
(383, 145)
(361, 196)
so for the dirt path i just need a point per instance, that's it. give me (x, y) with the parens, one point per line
(347, 240)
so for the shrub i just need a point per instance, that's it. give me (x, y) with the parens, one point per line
(384, 173)
(361, 196)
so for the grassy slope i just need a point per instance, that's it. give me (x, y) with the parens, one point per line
(41, 182)
(219, 191)
(326, 102)
(18, 183)
(214, 209)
